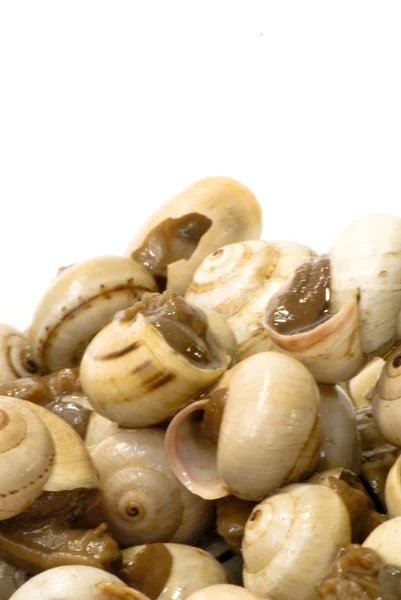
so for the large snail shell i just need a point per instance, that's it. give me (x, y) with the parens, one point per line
(77, 582)
(290, 540)
(269, 433)
(386, 541)
(392, 490)
(170, 571)
(361, 387)
(81, 301)
(133, 376)
(141, 499)
(341, 445)
(16, 356)
(386, 401)
(366, 258)
(11, 578)
(224, 592)
(208, 214)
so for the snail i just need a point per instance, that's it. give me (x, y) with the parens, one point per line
(392, 490)
(16, 355)
(11, 578)
(206, 215)
(231, 516)
(238, 280)
(78, 582)
(170, 571)
(39, 453)
(44, 389)
(142, 501)
(80, 302)
(232, 562)
(386, 541)
(360, 388)
(224, 592)
(148, 363)
(386, 401)
(339, 310)
(341, 445)
(260, 429)
(290, 540)
(99, 428)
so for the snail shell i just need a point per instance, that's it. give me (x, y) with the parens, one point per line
(170, 571)
(392, 490)
(265, 415)
(224, 592)
(80, 302)
(141, 499)
(206, 215)
(136, 376)
(386, 402)
(290, 540)
(11, 578)
(16, 355)
(386, 541)
(361, 387)
(78, 582)
(39, 453)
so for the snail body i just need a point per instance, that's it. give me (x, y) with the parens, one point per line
(221, 455)
(208, 214)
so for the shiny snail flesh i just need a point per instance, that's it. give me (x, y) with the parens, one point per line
(386, 541)
(77, 582)
(39, 453)
(80, 302)
(170, 571)
(239, 279)
(260, 430)
(208, 214)
(147, 364)
(11, 578)
(224, 592)
(290, 540)
(16, 355)
(142, 501)
(386, 402)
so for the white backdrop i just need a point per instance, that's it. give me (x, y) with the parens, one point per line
(109, 108)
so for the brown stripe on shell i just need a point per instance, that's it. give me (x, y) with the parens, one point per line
(142, 366)
(25, 487)
(119, 353)
(156, 381)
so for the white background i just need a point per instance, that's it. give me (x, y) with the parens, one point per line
(109, 108)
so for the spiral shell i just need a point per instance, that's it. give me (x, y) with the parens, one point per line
(141, 500)
(290, 540)
(80, 302)
(268, 434)
(208, 214)
(386, 401)
(16, 355)
(386, 541)
(224, 592)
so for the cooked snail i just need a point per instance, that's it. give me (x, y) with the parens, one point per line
(170, 571)
(206, 215)
(360, 388)
(260, 430)
(148, 363)
(386, 402)
(386, 541)
(16, 355)
(81, 301)
(232, 515)
(142, 501)
(224, 592)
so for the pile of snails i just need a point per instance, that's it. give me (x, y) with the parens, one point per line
(209, 417)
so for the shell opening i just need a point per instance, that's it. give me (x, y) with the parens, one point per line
(213, 415)
(149, 570)
(305, 301)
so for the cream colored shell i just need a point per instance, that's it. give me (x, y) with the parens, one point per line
(77, 582)
(11, 578)
(16, 355)
(386, 401)
(386, 541)
(291, 539)
(80, 302)
(192, 569)
(233, 209)
(224, 592)
(360, 387)
(141, 499)
(132, 376)
(269, 435)
(392, 490)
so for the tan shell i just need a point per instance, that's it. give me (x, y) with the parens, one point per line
(386, 401)
(16, 355)
(279, 399)
(99, 429)
(234, 213)
(168, 571)
(291, 539)
(132, 376)
(80, 302)
(141, 499)
(392, 490)
(386, 541)
(360, 387)
(224, 592)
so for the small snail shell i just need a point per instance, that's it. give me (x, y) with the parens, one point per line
(38, 452)
(360, 387)
(99, 429)
(392, 490)
(290, 540)
(78, 582)
(170, 571)
(279, 400)
(141, 499)
(206, 215)
(11, 578)
(16, 355)
(224, 592)
(135, 376)
(386, 541)
(386, 402)
(81, 301)
(341, 445)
